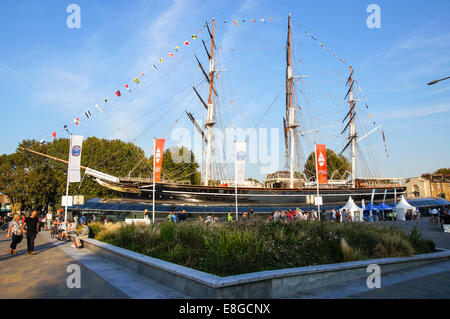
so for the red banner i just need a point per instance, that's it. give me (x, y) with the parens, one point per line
(321, 162)
(158, 158)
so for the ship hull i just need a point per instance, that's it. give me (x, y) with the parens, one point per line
(226, 196)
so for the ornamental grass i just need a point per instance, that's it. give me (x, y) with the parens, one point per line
(254, 245)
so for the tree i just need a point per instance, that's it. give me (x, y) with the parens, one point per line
(33, 181)
(253, 180)
(443, 171)
(179, 165)
(336, 164)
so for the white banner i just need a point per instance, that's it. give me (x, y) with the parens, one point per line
(239, 162)
(67, 201)
(76, 143)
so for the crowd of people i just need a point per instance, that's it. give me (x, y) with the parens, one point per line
(29, 224)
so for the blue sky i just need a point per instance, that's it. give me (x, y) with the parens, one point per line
(50, 74)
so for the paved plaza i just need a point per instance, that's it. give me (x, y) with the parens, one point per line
(44, 275)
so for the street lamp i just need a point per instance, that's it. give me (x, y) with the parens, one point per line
(436, 81)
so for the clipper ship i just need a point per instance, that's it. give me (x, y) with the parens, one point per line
(134, 189)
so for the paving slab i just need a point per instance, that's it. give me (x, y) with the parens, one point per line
(100, 278)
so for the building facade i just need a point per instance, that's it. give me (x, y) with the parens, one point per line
(429, 185)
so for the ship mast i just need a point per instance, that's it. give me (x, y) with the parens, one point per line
(351, 125)
(290, 110)
(210, 118)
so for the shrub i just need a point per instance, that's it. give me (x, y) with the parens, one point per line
(257, 244)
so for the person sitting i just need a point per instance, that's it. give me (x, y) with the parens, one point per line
(69, 230)
(83, 235)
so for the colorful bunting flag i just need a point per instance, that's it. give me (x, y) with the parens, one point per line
(194, 37)
(42, 141)
(253, 20)
(128, 88)
(67, 129)
(54, 134)
(136, 80)
(88, 114)
(106, 100)
(161, 60)
(76, 121)
(176, 48)
(186, 42)
(235, 22)
(171, 54)
(118, 93)
(154, 68)
(98, 108)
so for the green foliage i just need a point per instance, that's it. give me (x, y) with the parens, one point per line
(443, 171)
(257, 245)
(35, 182)
(335, 162)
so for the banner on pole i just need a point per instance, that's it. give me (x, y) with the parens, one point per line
(321, 162)
(158, 158)
(76, 144)
(239, 162)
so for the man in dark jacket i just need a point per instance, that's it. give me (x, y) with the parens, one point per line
(32, 224)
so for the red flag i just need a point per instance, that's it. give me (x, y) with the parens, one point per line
(384, 138)
(158, 158)
(54, 134)
(118, 93)
(321, 162)
(186, 42)
(76, 121)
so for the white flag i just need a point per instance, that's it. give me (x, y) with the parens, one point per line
(76, 143)
(239, 162)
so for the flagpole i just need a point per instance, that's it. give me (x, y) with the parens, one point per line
(67, 195)
(235, 192)
(67, 182)
(317, 182)
(154, 165)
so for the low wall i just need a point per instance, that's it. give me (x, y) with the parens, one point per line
(283, 283)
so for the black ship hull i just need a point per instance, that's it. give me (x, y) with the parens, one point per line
(226, 196)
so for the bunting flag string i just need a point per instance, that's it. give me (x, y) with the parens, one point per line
(321, 44)
(137, 81)
(67, 129)
(384, 140)
(177, 50)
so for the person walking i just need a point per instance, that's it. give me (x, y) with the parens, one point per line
(338, 216)
(32, 223)
(15, 232)
(75, 221)
(230, 217)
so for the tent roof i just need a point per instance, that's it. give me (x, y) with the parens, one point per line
(351, 206)
(404, 204)
(385, 207)
(371, 207)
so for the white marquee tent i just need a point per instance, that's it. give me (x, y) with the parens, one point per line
(402, 208)
(355, 211)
